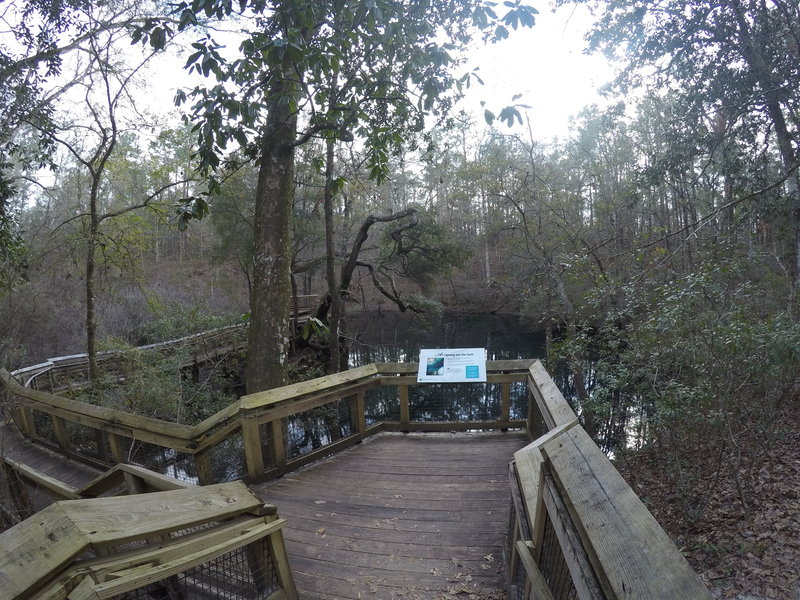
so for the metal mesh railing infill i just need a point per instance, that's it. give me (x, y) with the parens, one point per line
(246, 573)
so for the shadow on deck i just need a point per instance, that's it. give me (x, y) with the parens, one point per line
(419, 516)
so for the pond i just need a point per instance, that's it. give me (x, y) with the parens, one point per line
(398, 337)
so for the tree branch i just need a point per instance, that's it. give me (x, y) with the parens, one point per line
(392, 295)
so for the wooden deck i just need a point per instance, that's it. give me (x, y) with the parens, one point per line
(45, 461)
(417, 517)
(399, 516)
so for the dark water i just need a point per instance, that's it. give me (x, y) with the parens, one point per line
(398, 337)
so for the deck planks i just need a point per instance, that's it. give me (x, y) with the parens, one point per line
(421, 516)
(44, 460)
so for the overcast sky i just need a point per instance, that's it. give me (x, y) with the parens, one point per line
(547, 65)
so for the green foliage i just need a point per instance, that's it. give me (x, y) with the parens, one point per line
(369, 70)
(12, 249)
(151, 384)
(422, 251)
(425, 307)
(508, 114)
(313, 327)
(176, 320)
(709, 345)
(696, 370)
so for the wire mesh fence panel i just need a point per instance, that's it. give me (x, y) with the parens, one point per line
(553, 565)
(537, 425)
(517, 583)
(246, 573)
(518, 400)
(227, 461)
(43, 426)
(381, 404)
(318, 427)
(89, 442)
(167, 461)
(437, 402)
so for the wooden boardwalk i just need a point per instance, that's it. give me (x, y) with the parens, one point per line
(414, 517)
(45, 461)
(399, 516)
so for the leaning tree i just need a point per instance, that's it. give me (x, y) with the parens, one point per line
(338, 69)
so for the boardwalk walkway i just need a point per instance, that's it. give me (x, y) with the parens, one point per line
(400, 516)
(45, 461)
(414, 517)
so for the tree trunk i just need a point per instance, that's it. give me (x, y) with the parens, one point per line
(352, 263)
(91, 260)
(330, 262)
(269, 339)
(759, 64)
(91, 316)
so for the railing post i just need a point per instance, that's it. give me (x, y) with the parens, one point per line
(280, 560)
(513, 559)
(505, 403)
(119, 450)
(24, 420)
(277, 442)
(119, 455)
(60, 432)
(405, 414)
(529, 419)
(358, 418)
(254, 456)
(205, 472)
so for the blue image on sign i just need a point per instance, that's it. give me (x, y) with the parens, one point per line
(473, 372)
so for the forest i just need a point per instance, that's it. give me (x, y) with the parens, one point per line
(327, 153)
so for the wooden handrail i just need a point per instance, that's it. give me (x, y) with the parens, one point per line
(103, 547)
(573, 503)
(567, 486)
(199, 345)
(47, 418)
(109, 419)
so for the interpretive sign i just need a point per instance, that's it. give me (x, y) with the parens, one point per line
(452, 365)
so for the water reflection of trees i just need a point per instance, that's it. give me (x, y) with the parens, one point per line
(390, 338)
(435, 402)
(398, 337)
(318, 427)
(619, 419)
(443, 402)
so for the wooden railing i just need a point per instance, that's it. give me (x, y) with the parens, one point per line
(267, 434)
(63, 372)
(218, 541)
(66, 372)
(578, 530)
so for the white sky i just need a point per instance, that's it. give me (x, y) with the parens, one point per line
(547, 65)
